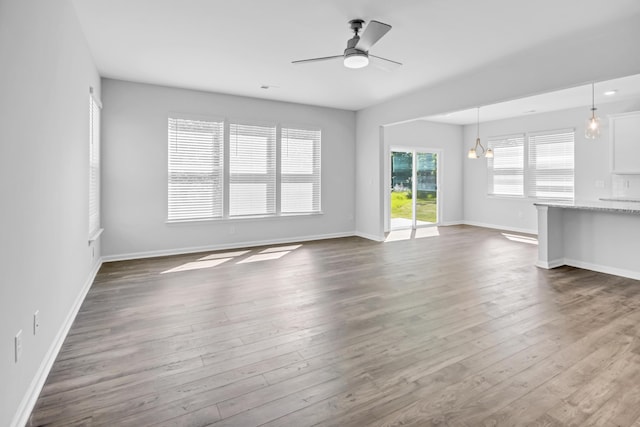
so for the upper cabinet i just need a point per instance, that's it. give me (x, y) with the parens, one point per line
(625, 143)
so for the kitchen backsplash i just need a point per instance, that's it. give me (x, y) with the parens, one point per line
(627, 186)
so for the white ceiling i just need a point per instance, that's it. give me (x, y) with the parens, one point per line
(236, 46)
(579, 96)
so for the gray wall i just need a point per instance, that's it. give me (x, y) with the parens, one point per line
(45, 259)
(555, 65)
(134, 171)
(591, 165)
(447, 138)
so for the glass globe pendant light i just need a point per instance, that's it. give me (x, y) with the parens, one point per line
(592, 128)
(473, 152)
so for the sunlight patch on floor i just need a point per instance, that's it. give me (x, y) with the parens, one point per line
(521, 239)
(281, 249)
(407, 234)
(426, 232)
(213, 260)
(398, 235)
(197, 265)
(232, 254)
(263, 257)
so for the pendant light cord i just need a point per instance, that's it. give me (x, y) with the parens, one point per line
(593, 99)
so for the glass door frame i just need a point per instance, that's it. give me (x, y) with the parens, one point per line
(387, 183)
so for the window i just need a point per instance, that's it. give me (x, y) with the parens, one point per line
(551, 165)
(195, 169)
(300, 170)
(220, 170)
(549, 159)
(252, 170)
(94, 166)
(506, 168)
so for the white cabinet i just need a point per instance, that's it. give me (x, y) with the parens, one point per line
(625, 143)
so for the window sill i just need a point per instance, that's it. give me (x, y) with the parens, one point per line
(237, 219)
(526, 198)
(505, 197)
(95, 235)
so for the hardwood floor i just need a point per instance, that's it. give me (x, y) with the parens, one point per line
(456, 329)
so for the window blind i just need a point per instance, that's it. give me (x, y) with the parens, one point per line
(94, 166)
(506, 168)
(300, 170)
(551, 165)
(252, 170)
(195, 169)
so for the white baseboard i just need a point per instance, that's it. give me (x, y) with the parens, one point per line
(369, 236)
(501, 227)
(631, 274)
(622, 272)
(448, 223)
(224, 246)
(548, 265)
(33, 392)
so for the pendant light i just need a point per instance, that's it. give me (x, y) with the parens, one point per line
(592, 128)
(473, 152)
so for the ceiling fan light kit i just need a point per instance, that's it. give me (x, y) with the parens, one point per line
(356, 55)
(356, 60)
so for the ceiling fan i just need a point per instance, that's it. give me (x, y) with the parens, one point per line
(357, 55)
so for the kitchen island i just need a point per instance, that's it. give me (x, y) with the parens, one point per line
(595, 235)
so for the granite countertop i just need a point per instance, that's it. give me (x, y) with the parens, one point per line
(620, 199)
(609, 205)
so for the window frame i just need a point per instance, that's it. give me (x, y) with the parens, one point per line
(269, 178)
(491, 143)
(314, 178)
(528, 170)
(226, 180)
(95, 117)
(215, 122)
(533, 168)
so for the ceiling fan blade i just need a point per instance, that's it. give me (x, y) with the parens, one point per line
(372, 33)
(384, 63)
(324, 58)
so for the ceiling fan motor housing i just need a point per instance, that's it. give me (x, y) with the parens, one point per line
(356, 55)
(356, 25)
(351, 46)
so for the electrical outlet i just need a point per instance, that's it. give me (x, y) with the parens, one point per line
(36, 322)
(232, 229)
(18, 345)
(599, 184)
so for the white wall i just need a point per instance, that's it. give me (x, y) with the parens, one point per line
(134, 174)
(551, 66)
(591, 165)
(45, 259)
(443, 137)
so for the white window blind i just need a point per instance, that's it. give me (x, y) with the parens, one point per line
(252, 170)
(300, 170)
(195, 169)
(94, 166)
(506, 168)
(551, 165)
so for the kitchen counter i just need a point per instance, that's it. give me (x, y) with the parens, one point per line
(629, 206)
(599, 235)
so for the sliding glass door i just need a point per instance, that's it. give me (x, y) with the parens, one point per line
(414, 189)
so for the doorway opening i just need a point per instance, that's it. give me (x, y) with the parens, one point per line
(414, 189)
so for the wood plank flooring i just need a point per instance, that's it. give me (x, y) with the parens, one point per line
(455, 329)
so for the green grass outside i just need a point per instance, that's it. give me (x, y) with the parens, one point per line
(401, 207)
